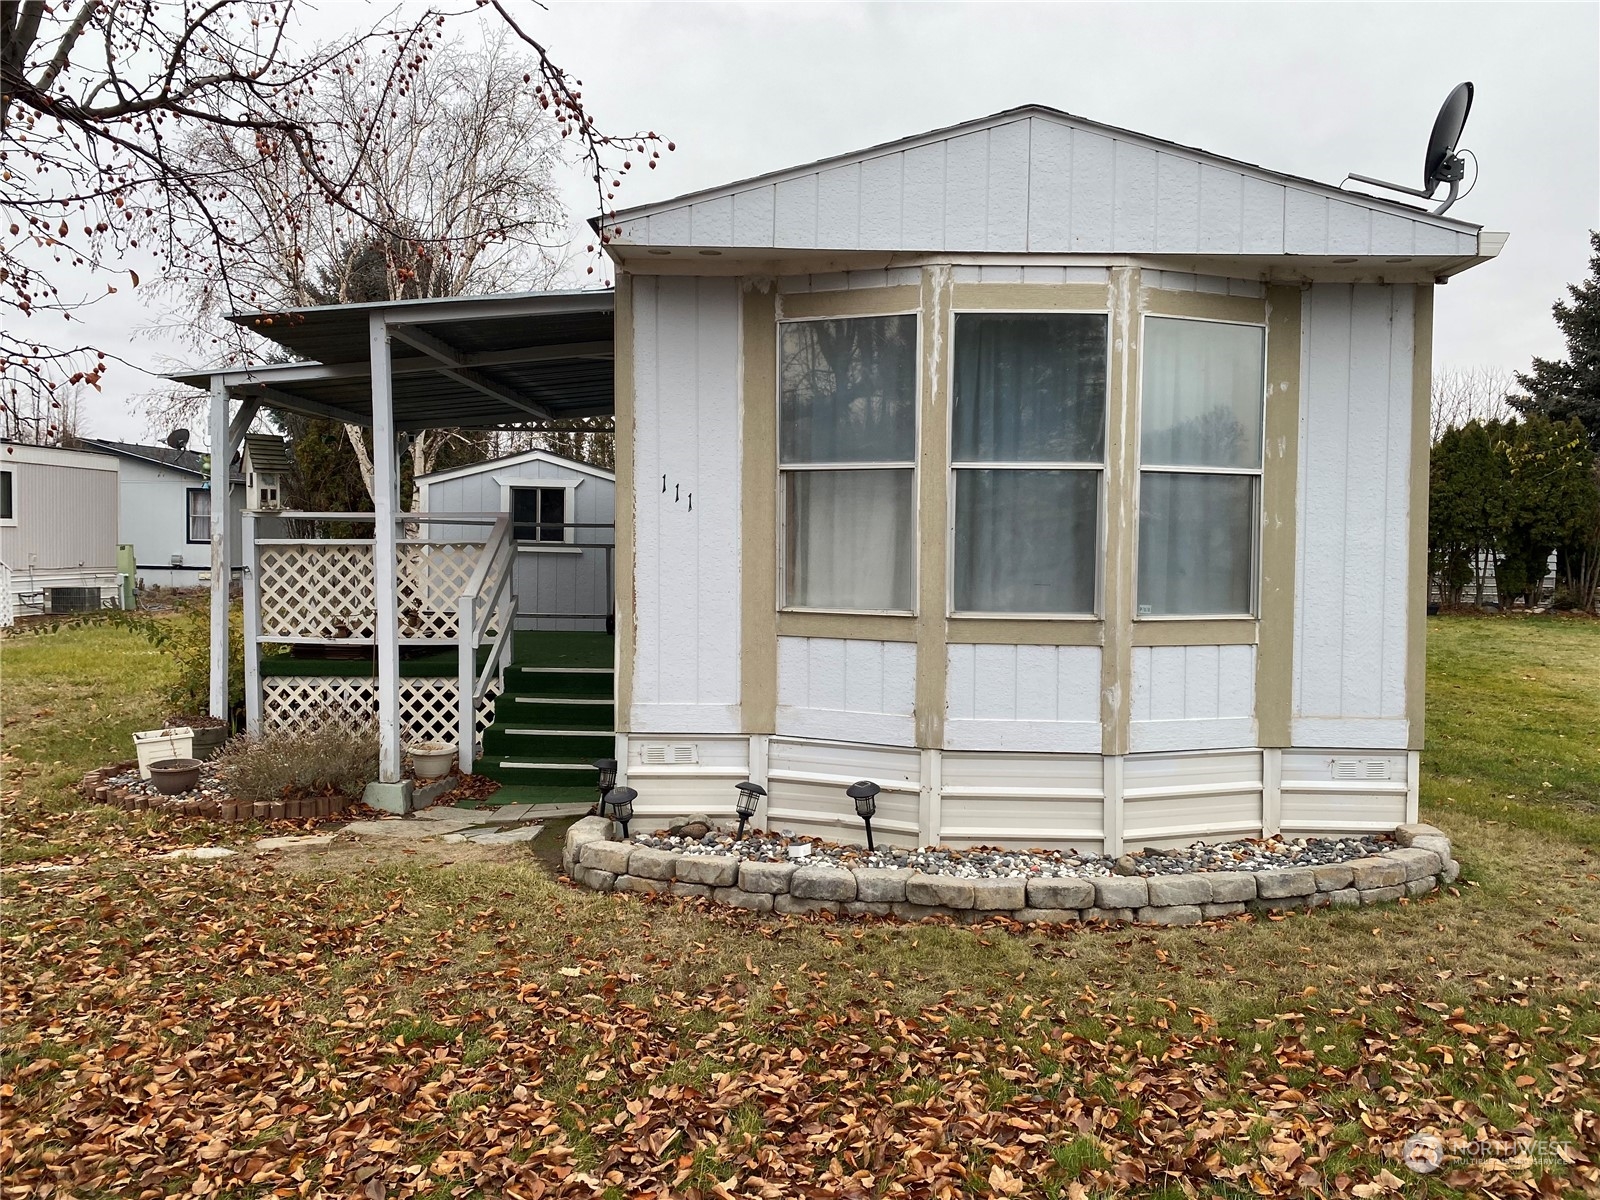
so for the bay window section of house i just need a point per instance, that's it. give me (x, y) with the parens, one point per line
(1028, 431)
(847, 444)
(1202, 408)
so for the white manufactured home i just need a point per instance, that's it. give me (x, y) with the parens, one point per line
(164, 511)
(58, 531)
(1067, 483)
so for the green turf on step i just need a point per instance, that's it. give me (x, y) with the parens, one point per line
(553, 714)
(521, 793)
(560, 774)
(505, 741)
(587, 684)
(535, 647)
(542, 648)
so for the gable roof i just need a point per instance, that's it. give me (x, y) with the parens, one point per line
(268, 452)
(1036, 180)
(189, 462)
(513, 460)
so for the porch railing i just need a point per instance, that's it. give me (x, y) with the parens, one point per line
(486, 609)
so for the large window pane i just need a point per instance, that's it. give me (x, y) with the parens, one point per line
(1026, 541)
(1202, 394)
(1196, 544)
(1030, 387)
(851, 539)
(848, 390)
(198, 515)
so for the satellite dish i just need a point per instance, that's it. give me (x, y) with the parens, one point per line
(1443, 162)
(178, 439)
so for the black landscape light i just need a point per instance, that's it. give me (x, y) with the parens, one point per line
(608, 778)
(750, 795)
(621, 801)
(865, 794)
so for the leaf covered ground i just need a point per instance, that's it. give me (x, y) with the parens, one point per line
(438, 1024)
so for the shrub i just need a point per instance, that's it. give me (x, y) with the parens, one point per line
(334, 758)
(186, 638)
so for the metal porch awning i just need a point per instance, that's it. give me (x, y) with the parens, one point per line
(468, 362)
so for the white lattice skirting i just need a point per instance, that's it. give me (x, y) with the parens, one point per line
(293, 704)
(325, 590)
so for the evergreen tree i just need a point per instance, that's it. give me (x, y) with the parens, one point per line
(1465, 485)
(1562, 390)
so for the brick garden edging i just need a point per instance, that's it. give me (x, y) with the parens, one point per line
(1418, 865)
(94, 787)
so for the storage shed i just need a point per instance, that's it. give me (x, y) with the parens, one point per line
(562, 515)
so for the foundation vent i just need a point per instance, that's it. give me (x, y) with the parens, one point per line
(679, 755)
(1361, 768)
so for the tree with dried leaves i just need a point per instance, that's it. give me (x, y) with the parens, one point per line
(1462, 395)
(103, 102)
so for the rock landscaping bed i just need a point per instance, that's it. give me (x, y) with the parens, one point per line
(1163, 887)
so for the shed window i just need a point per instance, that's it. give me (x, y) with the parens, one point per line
(8, 511)
(539, 514)
(197, 516)
(847, 443)
(1200, 467)
(1027, 457)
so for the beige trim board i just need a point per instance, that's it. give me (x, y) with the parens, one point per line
(1033, 296)
(871, 627)
(1203, 305)
(1200, 632)
(850, 302)
(1417, 594)
(1119, 583)
(758, 527)
(933, 504)
(1280, 473)
(1023, 631)
(624, 578)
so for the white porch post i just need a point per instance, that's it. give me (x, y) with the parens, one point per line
(385, 505)
(220, 575)
(252, 626)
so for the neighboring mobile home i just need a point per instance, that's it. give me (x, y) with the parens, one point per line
(164, 507)
(58, 529)
(1068, 483)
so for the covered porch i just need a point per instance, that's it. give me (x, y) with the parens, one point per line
(414, 623)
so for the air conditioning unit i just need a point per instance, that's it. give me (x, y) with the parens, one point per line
(177, 560)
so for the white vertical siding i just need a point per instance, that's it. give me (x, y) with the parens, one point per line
(1038, 698)
(1193, 698)
(1047, 184)
(686, 586)
(1353, 517)
(833, 688)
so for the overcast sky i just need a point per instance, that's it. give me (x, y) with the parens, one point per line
(1313, 90)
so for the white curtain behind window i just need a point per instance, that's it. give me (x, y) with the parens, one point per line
(1202, 394)
(850, 539)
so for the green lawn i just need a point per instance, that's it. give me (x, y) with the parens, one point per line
(442, 1025)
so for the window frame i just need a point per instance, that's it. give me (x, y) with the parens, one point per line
(913, 465)
(567, 543)
(188, 516)
(1139, 469)
(952, 466)
(9, 518)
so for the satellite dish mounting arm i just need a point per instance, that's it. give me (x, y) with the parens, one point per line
(1442, 163)
(1451, 171)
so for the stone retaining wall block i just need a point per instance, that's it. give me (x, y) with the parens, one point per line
(1293, 881)
(822, 883)
(1170, 914)
(606, 856)
(1121, 892)
(999, 895)
(597, 880)
(882, 885)
(939, 891)
(868, 908)
(1376, 872)
(1179, 890)
(1451, 872)
(1048, 916)
(791, 905)
(680, 888)
(739, 898)
(1063, 893)
(1421, 887)
(1332, 877)
(1229, 887)
(1419, 863)
(1223, 908)
(1108, 914)
(765, 877)
(652, 864)
(1379, 895)
(641, 883)
(718, 870)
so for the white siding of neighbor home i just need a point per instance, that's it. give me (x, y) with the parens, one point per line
(850, 690)
(1040, 183)
(686, 355)
(1025, 698)
(1353, 517)
(65, 515)
(153, 510)
(1193, 698)
(557, 580)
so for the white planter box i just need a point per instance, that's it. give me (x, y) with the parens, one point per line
(156, 744)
